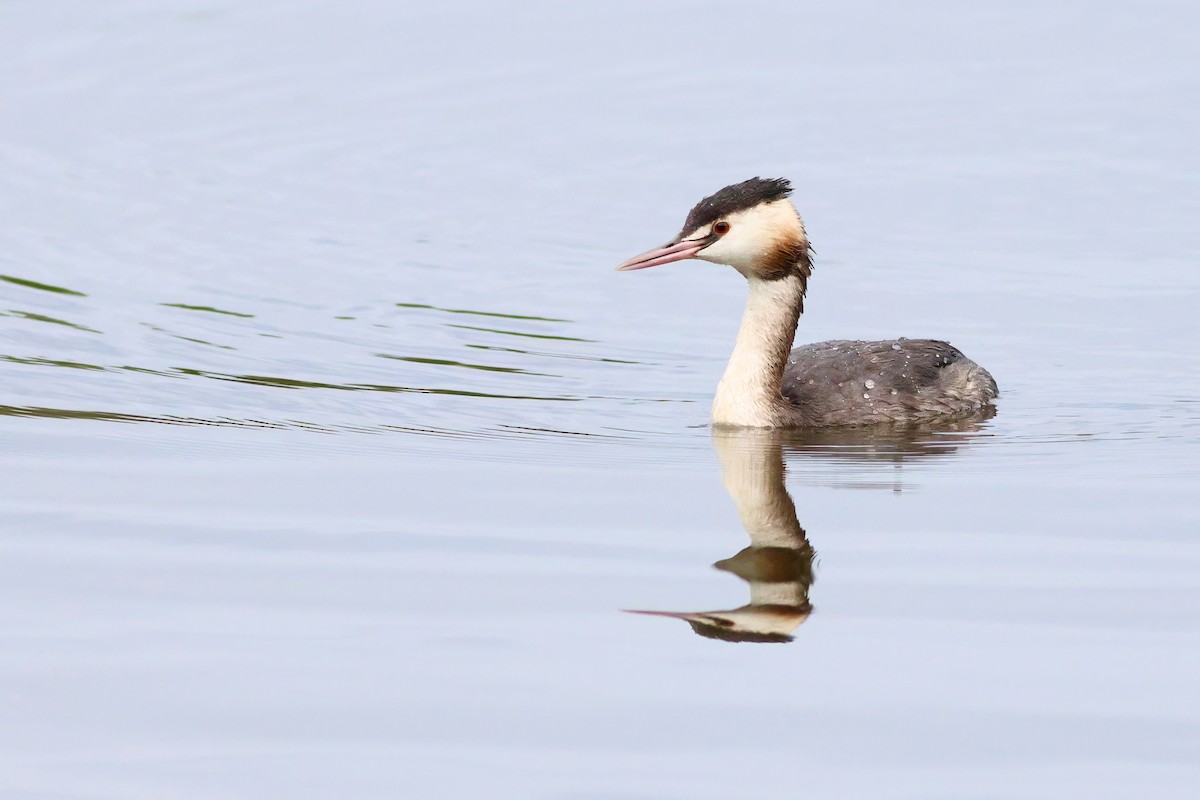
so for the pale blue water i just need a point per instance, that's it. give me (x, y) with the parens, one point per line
(331, 446)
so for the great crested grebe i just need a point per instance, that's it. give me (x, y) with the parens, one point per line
(754, 228)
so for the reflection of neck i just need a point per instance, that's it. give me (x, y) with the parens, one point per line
(749, 392)
(753, 472)
(778, 564)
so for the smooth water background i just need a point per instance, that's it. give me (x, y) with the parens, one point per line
(331, 446)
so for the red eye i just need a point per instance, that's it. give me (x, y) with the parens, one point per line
(721, 228)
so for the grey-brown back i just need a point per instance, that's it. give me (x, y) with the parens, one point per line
(845, 382)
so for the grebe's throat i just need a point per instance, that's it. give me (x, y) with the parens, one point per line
(749, 393)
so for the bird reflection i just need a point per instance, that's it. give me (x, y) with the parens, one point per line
(779, 563)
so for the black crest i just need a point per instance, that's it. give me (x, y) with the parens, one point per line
(738, 197)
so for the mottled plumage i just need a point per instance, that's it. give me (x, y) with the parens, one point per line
(858, 383)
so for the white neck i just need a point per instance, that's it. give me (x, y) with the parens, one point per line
(749, 392)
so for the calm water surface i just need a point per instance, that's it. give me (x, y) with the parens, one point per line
(332, 449)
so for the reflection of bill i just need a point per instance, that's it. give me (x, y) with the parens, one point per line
(778, 564)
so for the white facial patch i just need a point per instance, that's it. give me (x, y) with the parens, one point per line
(754, 236)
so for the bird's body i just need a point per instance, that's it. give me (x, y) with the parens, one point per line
(753, 227)
(895, 380)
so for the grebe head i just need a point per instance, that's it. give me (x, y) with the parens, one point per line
(751, 226)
